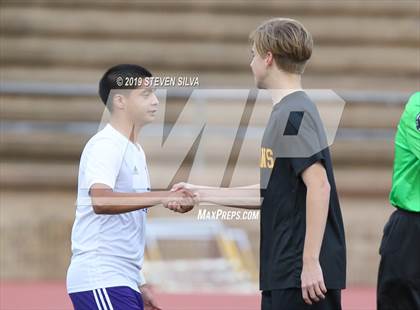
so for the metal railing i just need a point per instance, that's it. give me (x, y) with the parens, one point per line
(88, 90)
(382, 98)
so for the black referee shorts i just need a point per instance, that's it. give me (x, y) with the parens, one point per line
(291, 299)
(399, 269)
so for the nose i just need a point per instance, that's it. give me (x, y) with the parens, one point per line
(155, 100)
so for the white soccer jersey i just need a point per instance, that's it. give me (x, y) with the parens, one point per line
(107, 250)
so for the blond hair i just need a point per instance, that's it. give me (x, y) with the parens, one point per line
(287, 39)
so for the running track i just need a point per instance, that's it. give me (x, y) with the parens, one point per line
(53, 296)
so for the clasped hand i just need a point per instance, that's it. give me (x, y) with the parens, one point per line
(183, 198)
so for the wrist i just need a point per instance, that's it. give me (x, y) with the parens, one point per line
(163, 196)
(310, 259)
(194, 188)
(143, 287)
(203, 194)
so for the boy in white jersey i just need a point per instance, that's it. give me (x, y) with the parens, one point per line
(108, 235)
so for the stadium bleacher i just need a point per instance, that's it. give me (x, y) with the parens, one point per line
(52, 54)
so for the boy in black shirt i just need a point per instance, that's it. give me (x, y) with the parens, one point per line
(302, 248)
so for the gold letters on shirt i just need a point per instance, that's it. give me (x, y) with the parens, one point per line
(267, 160)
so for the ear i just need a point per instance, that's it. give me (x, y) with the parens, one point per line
(118, 101)
(269, 58)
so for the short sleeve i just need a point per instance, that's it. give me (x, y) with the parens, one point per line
(301, 164)
(103, 163)
(309, 142)
(411, 124)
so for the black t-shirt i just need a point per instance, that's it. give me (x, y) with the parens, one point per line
(294, 139)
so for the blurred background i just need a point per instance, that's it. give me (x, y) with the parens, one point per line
(52, 54)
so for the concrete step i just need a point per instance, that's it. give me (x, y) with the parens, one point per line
(47, 146)
(159, 25)
(306, 7)
(32, 51)
(91, 109)
(364, 220)
(214, 79)
(40, 175)
(35, 228)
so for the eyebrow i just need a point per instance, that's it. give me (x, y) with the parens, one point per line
(146, 90)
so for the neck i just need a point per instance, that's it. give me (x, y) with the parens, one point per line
(129, 130)
(281, 84)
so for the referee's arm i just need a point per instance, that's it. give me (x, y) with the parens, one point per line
(411, 124)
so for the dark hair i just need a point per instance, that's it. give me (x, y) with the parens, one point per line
(116, 77)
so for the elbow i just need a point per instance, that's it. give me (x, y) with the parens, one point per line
(100, 197)
(323, 188)
(98, 207)
(326, 188)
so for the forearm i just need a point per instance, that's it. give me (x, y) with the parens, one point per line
(243, 197)
(110, 202)
(317, 204)
(201, 187)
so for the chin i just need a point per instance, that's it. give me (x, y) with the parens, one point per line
(143, 122)
(149, 120)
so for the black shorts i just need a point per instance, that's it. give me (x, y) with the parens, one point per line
(399, 269)
(291, 299)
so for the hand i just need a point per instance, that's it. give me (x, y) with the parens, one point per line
(177, 207)
(180, 201)
(312, 279)
(148, 299)
(174, 206)
(183, 185)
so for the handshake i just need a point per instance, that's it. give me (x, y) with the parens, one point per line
(182, 198)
